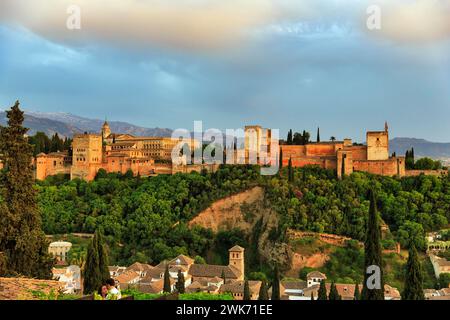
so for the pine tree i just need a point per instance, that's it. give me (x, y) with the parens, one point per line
(180, 286)
(167, 287)
(290, 171)
(372, 252)
(357, 295)
(263, 295)
(246, 291)
(414, 277)
(318, 134)
(22, 240)
(276, 284)
(322, 293)
(334, 294)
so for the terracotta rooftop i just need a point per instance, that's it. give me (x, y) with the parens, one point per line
(316, 274)
(183, 260)
(294, 285)
(211, 271)
(236, 248)
(238, 286)
(127, 276)
(27, 289)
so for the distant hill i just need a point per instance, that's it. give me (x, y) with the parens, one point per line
(422, 148)
(67, 124)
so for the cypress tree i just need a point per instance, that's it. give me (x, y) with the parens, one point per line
(290, 171)
(103, 260)
(334, 295)
(289, 137)
(223, 276)
(93, 278)
(180, 286)
(22, 240)
(280, 158)
(322, 293)
(246, 291)
(167, 288)
(372, 252)
(318, 134)
(357, 295)
(414, 277)
(263, 295)
(276, 284)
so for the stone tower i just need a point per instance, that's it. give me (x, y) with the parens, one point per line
(106, 130)
(237, 260)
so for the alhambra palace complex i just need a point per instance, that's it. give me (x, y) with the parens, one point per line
(148, 156)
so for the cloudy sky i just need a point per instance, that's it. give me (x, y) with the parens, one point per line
(280, 63)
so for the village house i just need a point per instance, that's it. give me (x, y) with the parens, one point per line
(70, 277)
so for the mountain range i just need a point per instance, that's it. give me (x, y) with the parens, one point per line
(67, 124)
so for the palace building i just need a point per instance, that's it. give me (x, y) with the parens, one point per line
(112, 152)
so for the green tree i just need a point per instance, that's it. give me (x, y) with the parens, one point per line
(290, 171)
(246, 291)
(414, 277)
(223, 277)
(263, 294)
(372, 253)
(357, 295)
(22, 240)
(93, 278)
(180, 286)
(322, 293)
(289, 137)
(276, 284)
(318, 134)
(334, 295)
(280, 159)
(103, 260)
(167, 287)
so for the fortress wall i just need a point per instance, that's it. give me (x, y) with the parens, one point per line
(385, 168)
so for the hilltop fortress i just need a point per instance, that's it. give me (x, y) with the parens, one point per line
(346, 157)
(146, 156)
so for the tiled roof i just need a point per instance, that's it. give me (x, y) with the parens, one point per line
(127, 276)
(237, 248)
(184, 260)
(316, 274)
(238, 286)
(140, 267)
(23, 288)
(294, 285)
(211, 271)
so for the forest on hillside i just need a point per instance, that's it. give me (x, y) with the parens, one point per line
(145, 219)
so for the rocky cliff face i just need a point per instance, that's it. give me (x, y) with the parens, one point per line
(249, 212)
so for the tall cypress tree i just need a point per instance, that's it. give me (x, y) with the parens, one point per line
(357, 295)
(93, 278)
(414, 277)
(322, 293)
(223, 277)
(246, 291)
(180, 286)
(263, 295)
(334, 294)
(22, 240)
(103, 260)
(280, 155)
(167, 288)
(372, 252)
(290, 171)
(289, 137)
(276, 284)
(318, 134)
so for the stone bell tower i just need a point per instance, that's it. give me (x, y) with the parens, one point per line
(237, 260)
